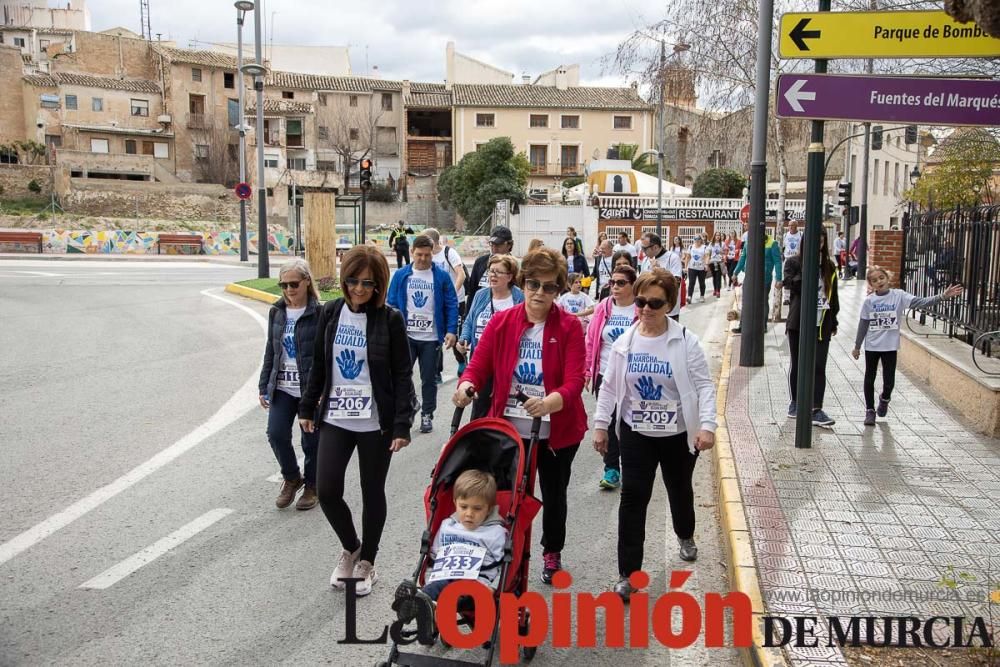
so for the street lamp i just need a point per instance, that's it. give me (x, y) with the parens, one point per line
(257, 70)
(914, 177)
(678, 49)
(242, 7)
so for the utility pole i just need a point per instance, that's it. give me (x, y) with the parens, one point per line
(240, 15)
(863, 213)
(263, 261)
(659, 147)
(848, 178)
(755, 299)
(808, 316)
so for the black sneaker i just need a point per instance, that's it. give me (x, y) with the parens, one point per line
(820, 418)
(688, 549)
(883, 407)
(552, 564)
(624, 589)
(869, 417)
(426, 423)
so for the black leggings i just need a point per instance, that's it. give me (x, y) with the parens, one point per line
(336, 446)
(731, 271)
(694, 274)
(612, 458)
(822, 351)
(554, 468)
(716, 277)
(872, 360)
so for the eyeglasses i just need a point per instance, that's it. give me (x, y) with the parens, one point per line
(495, 274)
(619, 282)
(655, 304)
(291, 284)
(535, 285)
(365, 284)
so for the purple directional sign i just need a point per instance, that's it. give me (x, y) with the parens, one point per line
(922, 101)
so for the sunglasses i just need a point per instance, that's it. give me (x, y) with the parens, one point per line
(619, 283)
(291, 284)
(535, 285)
(365, 284)
(655, 304)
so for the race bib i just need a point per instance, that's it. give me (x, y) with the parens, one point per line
(456, 561)
(288, 374)
(884, 322)
(351, 402)
(514, 408)
(654, 416)
(485, 280)
(822, 303)
(419, 323)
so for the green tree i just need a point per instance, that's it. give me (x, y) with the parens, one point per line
(959, 172)
(473, 186)
(725, 183)
(645, 162)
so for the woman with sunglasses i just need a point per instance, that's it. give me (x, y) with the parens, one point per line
(360, 396)
(658, 382)
(288, 358)
(611, 319)
(502, 295)
(537, 348)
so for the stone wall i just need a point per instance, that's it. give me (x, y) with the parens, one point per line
(14, 179)
(125, 199)
(423, 206)
(11, 95)
(885, 249)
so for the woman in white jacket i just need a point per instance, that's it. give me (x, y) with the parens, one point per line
(657, 378)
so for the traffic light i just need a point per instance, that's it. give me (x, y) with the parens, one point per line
(911, 135)
(366, 174)
(877, 137)
(844, 194)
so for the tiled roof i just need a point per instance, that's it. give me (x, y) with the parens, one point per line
(129, 85)
(344, 84)
(41, 81)
(547, 97)
(40, 31)
(192, 57)
(280, 107)
(428, 100)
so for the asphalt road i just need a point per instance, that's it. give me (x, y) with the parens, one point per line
(137, 487)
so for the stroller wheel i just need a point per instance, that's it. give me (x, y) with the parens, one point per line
(382, 663)
(528, 653)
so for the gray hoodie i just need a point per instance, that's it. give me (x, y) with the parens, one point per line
(491, 535)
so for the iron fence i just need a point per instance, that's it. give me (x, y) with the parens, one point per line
(960, 246)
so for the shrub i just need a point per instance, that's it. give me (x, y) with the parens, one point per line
(382, 191)
(327, 283)
(34, 186)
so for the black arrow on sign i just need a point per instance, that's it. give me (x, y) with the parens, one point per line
(799, 34)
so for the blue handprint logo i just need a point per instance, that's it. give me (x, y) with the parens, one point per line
(647, 391)
(526, 374)
(350, 367)
(615, 333)
(288, 342)
(419, 299)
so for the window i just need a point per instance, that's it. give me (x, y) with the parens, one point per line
(287, 95)
(19, 41)
(386, 101)
(326, 165)
(270, 161)
(71, 101)
(353, 133)
(53, 140)
(569, 156)
(353, 101)
(269, 191)
(623, 122)
(130, 147)
(195, 74)
(147, 148)
(293, 130)
(570, 122)
(43, 44)
(140, 107)
(201, 152)
(228, 80)
(161, 150)
(875, 178)
(539, 120)
(49, 101)
(233, 112)
(324, 132)
(538, 157)
(485, 120)
(298, 163)
(322, 99)
(97, 104)
(895, 180)
(885, 179)
(98, 145)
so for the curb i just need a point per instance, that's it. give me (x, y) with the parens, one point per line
(743, 575)
(124, 257)
(251, 293)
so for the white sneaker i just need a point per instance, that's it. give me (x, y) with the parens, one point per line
(365, 571)
(345, 567)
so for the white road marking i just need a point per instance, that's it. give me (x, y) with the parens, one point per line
(244, 400)
(45, 274)
(116, 573)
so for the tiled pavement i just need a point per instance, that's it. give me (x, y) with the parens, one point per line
(890, 509)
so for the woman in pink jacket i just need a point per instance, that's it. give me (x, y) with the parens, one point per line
(537, 348)
(611, 319)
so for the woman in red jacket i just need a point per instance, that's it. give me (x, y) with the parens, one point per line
(537, 348)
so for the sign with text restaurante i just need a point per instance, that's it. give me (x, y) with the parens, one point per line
(715, 214)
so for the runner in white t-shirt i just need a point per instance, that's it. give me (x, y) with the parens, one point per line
(697, 266)
(792, 245)
(576, 301)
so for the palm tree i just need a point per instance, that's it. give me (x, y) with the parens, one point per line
(646, 162)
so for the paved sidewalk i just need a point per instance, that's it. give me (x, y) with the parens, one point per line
(894, 508)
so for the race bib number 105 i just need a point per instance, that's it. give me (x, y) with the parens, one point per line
(419, 323)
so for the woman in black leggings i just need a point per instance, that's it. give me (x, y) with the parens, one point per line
(360, 395)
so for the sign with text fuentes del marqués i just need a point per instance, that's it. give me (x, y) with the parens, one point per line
(907, 100)
(894, 34)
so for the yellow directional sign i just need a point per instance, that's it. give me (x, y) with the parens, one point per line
(930, 34)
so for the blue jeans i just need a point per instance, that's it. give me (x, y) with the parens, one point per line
(280, 419)
(426, 352)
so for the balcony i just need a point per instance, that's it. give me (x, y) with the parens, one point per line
(571, 168)
(557, 168)
(196, 121)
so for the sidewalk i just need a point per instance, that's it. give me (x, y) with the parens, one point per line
(897, 508)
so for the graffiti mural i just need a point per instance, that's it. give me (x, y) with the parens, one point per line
(120, 242)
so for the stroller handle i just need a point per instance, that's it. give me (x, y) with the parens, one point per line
(456, 419)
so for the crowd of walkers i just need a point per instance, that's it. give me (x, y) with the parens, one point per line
(529, 328)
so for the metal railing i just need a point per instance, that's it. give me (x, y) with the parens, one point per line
(960, 246)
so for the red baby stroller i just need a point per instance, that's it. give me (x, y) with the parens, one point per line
(492, 445)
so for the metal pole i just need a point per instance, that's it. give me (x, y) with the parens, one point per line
(848, 178)
(364, 206)
(244, 251)
(863, 218)
(659, 148)
(298, 223)
(754, 298)
(263, 263)
(810, 276)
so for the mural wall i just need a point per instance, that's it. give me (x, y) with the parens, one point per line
(120, 242)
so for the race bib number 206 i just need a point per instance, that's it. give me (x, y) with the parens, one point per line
(351, 402)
